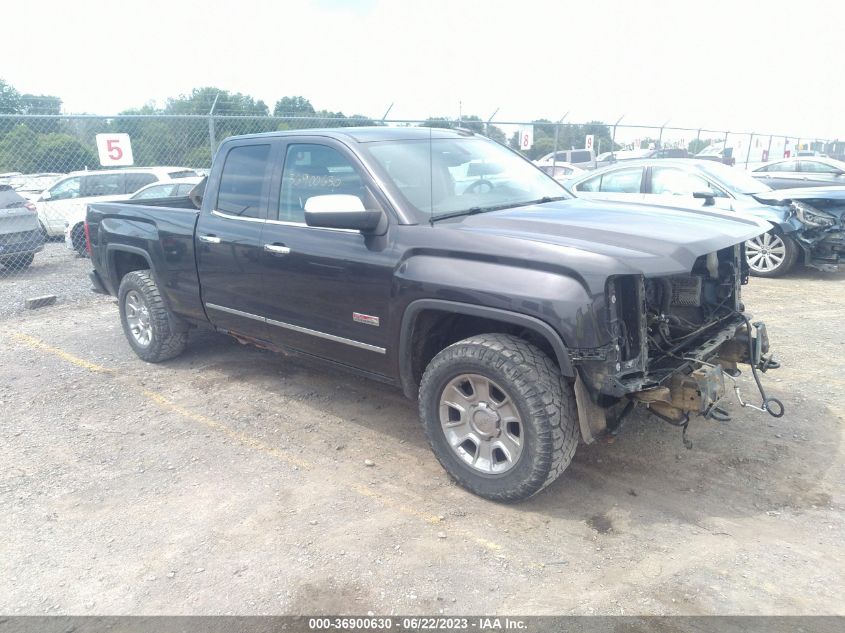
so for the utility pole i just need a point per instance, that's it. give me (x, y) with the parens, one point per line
(386, 112)
(613, 138)
(557, 132)
(211, 138)
(487, 125)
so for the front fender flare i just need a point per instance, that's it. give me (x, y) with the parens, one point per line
(409, 386)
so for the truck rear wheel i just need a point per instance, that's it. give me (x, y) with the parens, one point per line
(499, 416)
(150, 329)
(77, 238)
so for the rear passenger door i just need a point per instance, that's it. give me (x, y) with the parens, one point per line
(228, 237)
(326, 291)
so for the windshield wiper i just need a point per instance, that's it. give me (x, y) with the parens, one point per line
(497, 207)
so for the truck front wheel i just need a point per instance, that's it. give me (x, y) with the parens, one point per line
(150, 329)
(499, 416)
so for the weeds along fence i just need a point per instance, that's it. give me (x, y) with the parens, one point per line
(41, 195)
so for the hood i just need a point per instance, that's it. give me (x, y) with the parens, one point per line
(830, 200)
(782, 196)
(617, 237)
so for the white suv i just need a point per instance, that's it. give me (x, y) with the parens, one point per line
(66, 199)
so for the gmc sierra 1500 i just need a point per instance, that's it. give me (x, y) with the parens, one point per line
(446, 264)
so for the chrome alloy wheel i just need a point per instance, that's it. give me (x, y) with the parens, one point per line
(481, 424)
(765, 253)
(138, 318)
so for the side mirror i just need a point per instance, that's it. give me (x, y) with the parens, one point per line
(341, 211)
(45, 195)
(708, 196)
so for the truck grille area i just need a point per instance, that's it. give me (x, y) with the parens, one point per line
(657, 318)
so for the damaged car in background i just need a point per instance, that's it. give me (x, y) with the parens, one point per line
(805, 225)
(522, 320)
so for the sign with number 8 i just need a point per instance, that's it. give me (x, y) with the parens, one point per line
(114, 150)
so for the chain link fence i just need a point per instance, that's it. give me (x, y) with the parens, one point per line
(50, 170)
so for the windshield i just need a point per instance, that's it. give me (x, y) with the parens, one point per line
(442, 177)
(735, 179)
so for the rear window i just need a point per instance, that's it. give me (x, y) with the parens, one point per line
(580, 156)
(136, 181)
(184, 173)
(102, 185)
(244, 180)
(9, 199)
(789, 166)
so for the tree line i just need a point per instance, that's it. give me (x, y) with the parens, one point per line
(30, 144)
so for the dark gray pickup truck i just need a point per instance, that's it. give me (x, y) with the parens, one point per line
(445, 264)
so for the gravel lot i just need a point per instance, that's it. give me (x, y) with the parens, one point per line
(232, 480)
(55, 271)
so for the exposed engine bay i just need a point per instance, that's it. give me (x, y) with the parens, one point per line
(678, 339)
(682, 306)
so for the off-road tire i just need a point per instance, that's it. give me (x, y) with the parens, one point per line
(791, 251)
(545, 401)
(169, 337)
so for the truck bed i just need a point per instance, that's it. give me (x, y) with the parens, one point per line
(161, 231)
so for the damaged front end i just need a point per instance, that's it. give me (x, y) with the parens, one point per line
(822, 237)
(817, 219)
(675, 341)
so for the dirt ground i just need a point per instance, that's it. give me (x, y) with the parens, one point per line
(233, 480)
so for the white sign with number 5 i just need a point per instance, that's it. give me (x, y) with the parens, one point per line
(115, 150)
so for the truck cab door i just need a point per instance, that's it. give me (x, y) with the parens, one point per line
(326, 291)
(228, 237)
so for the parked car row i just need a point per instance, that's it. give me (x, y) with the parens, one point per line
(20, 237)
(806, 224)
(809, 171)
(37, 207)
(75, 229)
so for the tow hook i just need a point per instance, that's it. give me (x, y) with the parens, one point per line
(772, 406)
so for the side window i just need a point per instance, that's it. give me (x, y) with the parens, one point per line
(317, 170)
(136, 181)
(626, 180)
(66, 189)
(243, 183)
(817, 167)
(102, 185)
(788, 166)
(159, 191)
(677, 182)
(591, 184)
(183, 190)
(581, 156)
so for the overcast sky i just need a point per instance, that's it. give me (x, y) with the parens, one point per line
(770, 67)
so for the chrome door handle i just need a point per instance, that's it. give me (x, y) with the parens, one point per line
(209, 239)
(276, 249)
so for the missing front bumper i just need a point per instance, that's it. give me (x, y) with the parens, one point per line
(697, 392)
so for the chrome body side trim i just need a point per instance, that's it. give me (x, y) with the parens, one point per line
(227, 216)
(297, 328)
(330, 337)
(248, 315)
